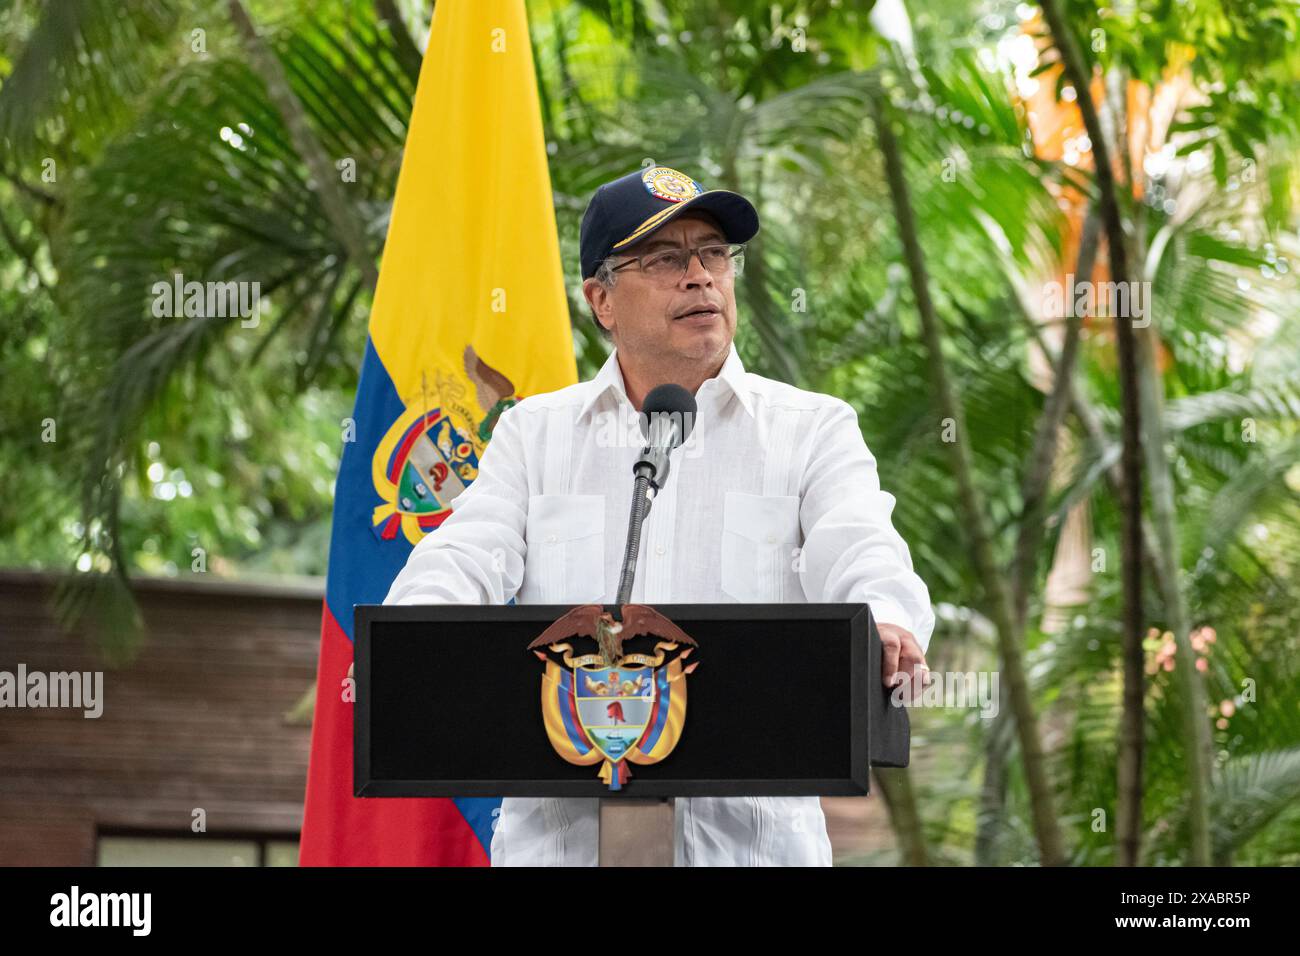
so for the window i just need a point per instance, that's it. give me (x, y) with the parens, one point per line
(199, 849)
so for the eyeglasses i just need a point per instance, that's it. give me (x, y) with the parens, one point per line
(667, 266)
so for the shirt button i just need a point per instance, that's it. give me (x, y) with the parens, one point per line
(771, 539)
(659, 549)
(551, 539)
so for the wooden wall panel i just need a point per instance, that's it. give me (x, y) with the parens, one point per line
(198, 719)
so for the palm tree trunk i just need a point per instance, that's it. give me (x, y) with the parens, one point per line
(347, 225)
(1131, 720)
(1089, 420)
(1042, 456)
(408, 54)
(1128, 809)
(1165, 524)
(974, 514)
(991, 817)
(1033, 492)
(785, 352)
(1166, 554)
(895, 785)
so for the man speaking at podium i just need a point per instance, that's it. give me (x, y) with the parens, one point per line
(774, 497)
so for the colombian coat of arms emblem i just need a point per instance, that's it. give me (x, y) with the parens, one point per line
(610, 707)
(431, 453)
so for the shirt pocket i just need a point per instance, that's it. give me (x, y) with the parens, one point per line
(565, 562)
(760, 538)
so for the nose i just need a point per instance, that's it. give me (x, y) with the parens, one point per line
(695, 273)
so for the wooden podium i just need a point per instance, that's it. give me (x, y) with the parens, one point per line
(786, 700)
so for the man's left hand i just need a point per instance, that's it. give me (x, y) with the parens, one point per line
(902, 656)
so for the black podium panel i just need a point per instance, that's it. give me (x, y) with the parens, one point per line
(786, 701)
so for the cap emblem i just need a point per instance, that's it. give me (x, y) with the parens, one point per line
(667, 183)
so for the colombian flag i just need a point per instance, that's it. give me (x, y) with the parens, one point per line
(469, 316)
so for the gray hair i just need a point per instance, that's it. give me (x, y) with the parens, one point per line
(606, 275)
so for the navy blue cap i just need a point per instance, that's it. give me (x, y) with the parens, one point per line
(631, 208)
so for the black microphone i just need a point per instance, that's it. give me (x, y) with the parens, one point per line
(667, 416)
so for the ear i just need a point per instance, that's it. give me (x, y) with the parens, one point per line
(598, 297)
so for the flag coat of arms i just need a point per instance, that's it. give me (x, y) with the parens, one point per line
(470, 315)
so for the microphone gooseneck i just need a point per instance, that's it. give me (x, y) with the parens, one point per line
(667, 417)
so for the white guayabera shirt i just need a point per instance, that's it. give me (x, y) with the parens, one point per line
(773, 498)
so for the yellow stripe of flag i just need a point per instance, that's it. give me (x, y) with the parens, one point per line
(472, 256)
